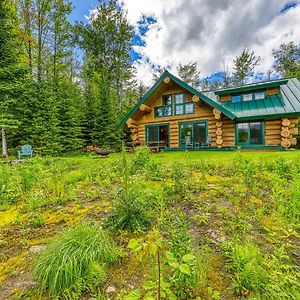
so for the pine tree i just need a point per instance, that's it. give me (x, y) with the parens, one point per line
(244, 64)
(12, 74)
(190, 74)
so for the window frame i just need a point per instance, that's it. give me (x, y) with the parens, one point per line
(242, 96)
(259, 92)
(156, 126)
(163, 107)
(248, 143)
(183, 104)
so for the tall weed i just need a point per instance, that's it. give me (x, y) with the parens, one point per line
(75, 261)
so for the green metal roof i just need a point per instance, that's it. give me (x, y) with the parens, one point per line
(287, 103)
(252, 87)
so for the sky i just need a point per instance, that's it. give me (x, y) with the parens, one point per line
(210, 32)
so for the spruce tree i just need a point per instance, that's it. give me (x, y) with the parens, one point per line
(106, 41)
(12, 74)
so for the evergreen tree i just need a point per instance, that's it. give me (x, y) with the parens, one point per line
(244, 64)
(287, 60)
(190, 74)
(12, 74)
(106, 41)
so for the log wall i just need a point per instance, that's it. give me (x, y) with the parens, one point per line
(220, 128)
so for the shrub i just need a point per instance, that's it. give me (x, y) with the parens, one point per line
(140, 159)
(246, 261)
(131, 212)
(75, 261)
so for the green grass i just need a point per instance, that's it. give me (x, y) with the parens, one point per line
(236, 213)
(75, 261)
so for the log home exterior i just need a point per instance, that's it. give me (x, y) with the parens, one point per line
(173, 115)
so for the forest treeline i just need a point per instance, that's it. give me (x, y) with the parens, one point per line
(64, 86)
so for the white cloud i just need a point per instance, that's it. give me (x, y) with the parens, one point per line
(211, 32)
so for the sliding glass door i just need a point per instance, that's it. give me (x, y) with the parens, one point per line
(157, 135)
(251, 133)
(192, 134)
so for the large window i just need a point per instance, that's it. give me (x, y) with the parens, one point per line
(192, 134)
(157, 135)
(251, 133)
(180, 106)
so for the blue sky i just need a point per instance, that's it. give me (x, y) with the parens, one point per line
(81, 8)
(206, 31)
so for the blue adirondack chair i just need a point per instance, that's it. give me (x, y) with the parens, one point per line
(26, 150)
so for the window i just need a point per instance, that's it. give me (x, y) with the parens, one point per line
(247, 97)
(166, 109)
(167, 100)
(249, 133)
(182, 107)
(179, 98)
(236, 99)
(259, 95)
(192, 133)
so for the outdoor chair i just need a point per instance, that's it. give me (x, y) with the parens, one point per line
(26, 150)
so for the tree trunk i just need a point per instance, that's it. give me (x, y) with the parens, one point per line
(4, 143)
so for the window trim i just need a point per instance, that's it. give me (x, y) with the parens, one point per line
(181, 146)
(248, 143)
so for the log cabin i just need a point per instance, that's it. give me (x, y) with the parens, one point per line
(173, 116)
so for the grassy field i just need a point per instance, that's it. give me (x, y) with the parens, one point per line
(180, 225)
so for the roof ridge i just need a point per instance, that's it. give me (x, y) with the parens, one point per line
(253, 84)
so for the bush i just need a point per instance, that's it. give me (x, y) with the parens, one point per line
(246, 260)
(75, 261)
(140, 159)
(131, 212)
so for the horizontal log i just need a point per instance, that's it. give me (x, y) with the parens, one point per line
(275, 142)
(219, 123)
(273, 136)
(131, 122)
(285, 143)
(285, 122)
(131, 126)
(219, 132)
(273, 122)
(167, 80)
(293, 141)
(271, 126)
(294, 131)
(195, 98)
(145, 108)
(285, 133)
(273, 131)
